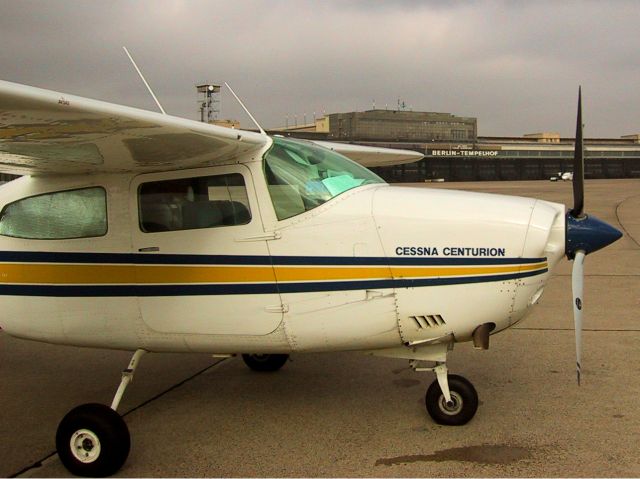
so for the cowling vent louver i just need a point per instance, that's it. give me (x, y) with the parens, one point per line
(428, 321)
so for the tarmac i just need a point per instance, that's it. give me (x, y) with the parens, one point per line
(351, 415)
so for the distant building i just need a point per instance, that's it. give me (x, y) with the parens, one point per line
(544, 137)
(401, 125)
(454, 152)
(515, 158)
(226, 123)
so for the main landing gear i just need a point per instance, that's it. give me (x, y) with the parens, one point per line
(93, 440)
(451, 400)
(265, 362)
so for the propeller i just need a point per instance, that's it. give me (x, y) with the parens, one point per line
(578, 165)
(577, 288)
(585, 234)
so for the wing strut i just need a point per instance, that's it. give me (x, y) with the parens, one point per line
(245, 109)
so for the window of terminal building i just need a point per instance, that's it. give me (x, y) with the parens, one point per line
(193, 203)
(458, 134)
(70, 214)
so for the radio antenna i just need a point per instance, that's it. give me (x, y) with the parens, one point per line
(245, 109)
(143, 80)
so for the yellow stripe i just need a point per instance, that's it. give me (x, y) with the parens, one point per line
(322, 273)
(31, 273)
(128, 274)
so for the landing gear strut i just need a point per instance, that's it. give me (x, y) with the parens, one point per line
(93, 440)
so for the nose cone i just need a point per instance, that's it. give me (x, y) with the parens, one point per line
(589, 234)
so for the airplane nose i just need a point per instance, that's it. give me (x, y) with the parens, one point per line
(588, 234)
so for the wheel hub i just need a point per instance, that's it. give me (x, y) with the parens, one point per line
(453, 407)
(85, 446)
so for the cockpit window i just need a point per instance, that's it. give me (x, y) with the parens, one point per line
(301, 176)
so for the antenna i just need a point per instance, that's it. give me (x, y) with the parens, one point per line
(245, 109)
(143, 80)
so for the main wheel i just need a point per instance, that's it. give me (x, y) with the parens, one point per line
(463, 405)
(265, 362)
(93, 441)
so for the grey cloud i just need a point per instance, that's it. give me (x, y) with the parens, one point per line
(514, 65)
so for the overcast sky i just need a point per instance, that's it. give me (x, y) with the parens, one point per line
(516, 66)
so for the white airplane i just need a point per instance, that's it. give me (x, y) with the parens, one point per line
(140, 231)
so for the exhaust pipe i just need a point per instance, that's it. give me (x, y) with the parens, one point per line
(481, 335)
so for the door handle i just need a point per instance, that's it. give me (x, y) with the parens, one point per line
(149, 249)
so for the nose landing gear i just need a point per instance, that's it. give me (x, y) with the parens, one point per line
(459, 409)
(451, 400)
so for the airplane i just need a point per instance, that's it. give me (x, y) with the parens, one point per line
(141, 231)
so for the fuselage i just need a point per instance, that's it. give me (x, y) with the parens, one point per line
(296, 251)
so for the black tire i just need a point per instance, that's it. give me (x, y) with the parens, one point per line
(265, 362)
(463, 396)
(93, 441)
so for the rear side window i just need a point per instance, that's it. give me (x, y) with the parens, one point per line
(193, 203)
(67, 214)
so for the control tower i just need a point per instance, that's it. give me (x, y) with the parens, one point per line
(209, 103)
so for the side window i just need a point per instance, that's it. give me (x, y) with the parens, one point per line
(60, 215)
(193, 203)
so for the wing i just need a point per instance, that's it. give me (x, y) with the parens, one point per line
(370, 156)
(43, 131)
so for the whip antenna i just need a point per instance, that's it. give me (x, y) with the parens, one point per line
(143, 80)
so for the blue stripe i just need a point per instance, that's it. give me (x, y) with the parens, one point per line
(199, 259)
(232, 289)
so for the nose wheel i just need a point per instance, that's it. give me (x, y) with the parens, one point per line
(461, 406)
(451, 400)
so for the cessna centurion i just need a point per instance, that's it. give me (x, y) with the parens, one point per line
(145, 232)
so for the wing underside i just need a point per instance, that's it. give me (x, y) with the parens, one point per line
(371, 156)
(46, 132)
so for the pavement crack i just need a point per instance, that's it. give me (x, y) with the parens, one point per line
(35, 465)
(620, 221)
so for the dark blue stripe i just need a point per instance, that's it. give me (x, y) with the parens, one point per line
(200, 259)
(129, 258)
(228, 289)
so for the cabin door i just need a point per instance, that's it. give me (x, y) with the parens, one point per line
(202, 265)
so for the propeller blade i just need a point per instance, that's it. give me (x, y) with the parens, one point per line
(577, 287)
(578, 164)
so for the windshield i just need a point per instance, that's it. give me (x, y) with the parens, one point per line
(302, 175)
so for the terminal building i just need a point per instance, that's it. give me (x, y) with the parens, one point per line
(454, 152)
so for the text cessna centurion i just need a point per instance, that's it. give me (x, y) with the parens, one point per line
(140, 231)
(449, 251)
